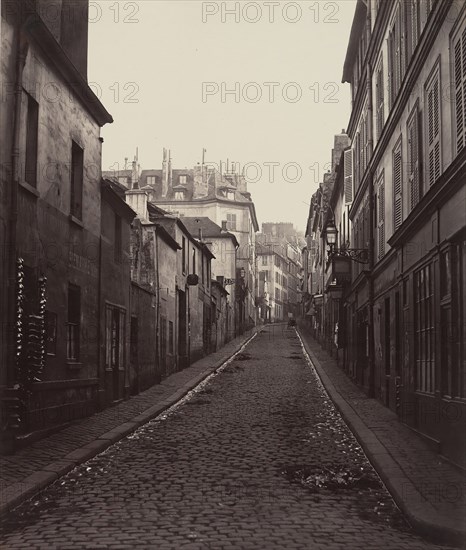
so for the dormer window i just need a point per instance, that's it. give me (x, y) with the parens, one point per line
(231, 195)
(182, 180)
(150, 180)
(179, 195)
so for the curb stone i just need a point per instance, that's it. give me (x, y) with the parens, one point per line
(421, 514)
(16, 493)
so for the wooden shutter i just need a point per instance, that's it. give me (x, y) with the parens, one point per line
(397, 187)
(397, 52)
(459, 52)
(379, 99)
(390, 69)
(348, 175)
(366, 140)
(413, 158)
(414, 6)
(433, 129)
(381, 219)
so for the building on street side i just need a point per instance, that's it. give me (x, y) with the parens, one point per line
(50, 221)
(398, 285)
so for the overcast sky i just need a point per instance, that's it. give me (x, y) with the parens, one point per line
(164, 70)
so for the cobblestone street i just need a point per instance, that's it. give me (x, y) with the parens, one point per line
(256, 458)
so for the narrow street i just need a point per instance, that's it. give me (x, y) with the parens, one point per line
(256, 458)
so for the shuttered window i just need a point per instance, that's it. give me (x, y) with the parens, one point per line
(459, 62)
(397, 186)
(395, 51)
(379, 100)
(381, 217)
(414, 171)
(348, 175)
(412, 27)
(433, 128)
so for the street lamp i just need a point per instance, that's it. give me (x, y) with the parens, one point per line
(331, 234)
(359, 255)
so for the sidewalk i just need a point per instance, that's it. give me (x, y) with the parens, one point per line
(32, 468)
(426, 488)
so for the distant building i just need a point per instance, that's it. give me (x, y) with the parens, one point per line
(223, 245)
(204, 192)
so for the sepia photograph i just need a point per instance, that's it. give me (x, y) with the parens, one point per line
(233, 275)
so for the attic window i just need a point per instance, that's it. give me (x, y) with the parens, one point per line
(182, 179)
(150, 180)
(231, 195)
(179, 195)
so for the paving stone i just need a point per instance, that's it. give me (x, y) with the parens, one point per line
(257, 462)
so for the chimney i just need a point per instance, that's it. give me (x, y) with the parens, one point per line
(137, 200)
(164, 174)
(200, 186)
(134, 174)
(170, 173)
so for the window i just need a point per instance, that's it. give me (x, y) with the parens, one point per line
(277, 278)
(452, 330)
(32, 127)
(413, 25)
(182, 180)
(194, 261)
(77, 168)
(183, 254)
(379, 100)
(118, 242)
(414, 172)
(73, 324)
(277, 294)
(433, 127)
(231, 222)
(150, 180)
(231, 195)
(115, 337)
(397, 186)
(424, 330)
(395, 56)
(459, 63)
(51, 332)
(348, 175)
(380, 209)
(179, 195)
(264, 260)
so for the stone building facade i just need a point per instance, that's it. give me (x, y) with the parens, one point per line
(50, 218)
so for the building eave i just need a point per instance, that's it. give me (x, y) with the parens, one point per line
(44, 40)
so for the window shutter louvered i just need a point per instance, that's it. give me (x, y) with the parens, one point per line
(379, 100)
(413, 158)
(366, 141)
(433, 129)
(414, 24)
(348, 175)
(381, 219)
(459, 52)
(397, 187)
